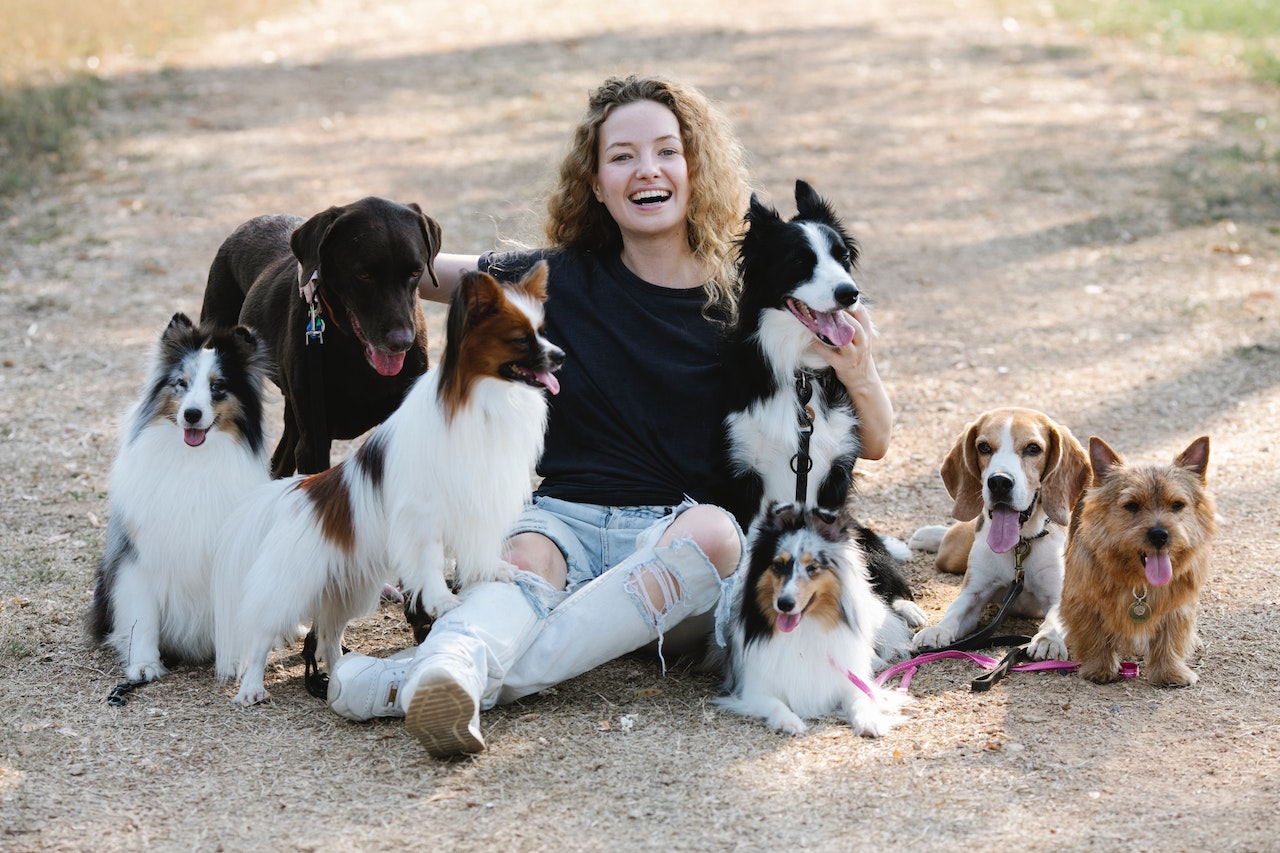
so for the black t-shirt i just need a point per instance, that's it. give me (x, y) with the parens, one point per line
(638, 417)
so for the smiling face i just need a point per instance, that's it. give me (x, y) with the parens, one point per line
(643, 179)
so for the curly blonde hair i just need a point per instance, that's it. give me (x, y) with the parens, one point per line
(718, 181)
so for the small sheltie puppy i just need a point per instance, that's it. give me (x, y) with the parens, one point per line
(444, 477)
(804, 626)
(1137, 557)
(192, 449)
(797, 284)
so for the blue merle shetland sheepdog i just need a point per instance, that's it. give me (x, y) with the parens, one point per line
(445, 476)
(797, 282)
(803, 628)
(192, 449)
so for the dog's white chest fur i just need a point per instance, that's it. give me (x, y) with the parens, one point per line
(765, 437)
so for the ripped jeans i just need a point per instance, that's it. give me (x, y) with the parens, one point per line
(623, 591)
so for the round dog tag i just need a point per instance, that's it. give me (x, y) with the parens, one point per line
(1139, 611)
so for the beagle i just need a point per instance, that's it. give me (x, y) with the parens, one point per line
(1014, 475)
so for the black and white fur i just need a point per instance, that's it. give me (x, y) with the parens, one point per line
(803, 620)
(797, 282)
(192, 449)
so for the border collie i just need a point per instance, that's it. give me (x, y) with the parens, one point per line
(192, 449)
(444, 477)
(803, 628)
(797, 282)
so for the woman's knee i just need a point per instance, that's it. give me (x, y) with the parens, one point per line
(535, 553)
(714, 532)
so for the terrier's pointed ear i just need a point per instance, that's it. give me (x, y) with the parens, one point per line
(1102, 457)
(1196, 457)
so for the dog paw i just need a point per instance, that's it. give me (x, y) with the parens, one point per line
(1175, 676)
(873, 723)
(787, 723)
(911, 613)
(1100, 673)
(934, 638)
(251, 696)
(145, 671)
(438, 607)
(927, 538)
(1048, 646)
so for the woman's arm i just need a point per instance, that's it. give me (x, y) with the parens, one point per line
(856, 369)
(449, 269)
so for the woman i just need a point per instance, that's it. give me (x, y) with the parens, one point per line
(624, 539)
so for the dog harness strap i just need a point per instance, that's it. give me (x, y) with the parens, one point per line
(802, 463)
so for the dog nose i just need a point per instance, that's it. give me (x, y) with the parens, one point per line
(1000, 485)
(786, 605)
(399, 340)
(846, 295)
(1158, 537)
(191, 416)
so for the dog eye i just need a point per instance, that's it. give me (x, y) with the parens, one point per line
(984, 448)
(1133, 506)
(524, 340)
(364, 276)
(1032, 450)
(415, 275)
(217, 389)
(180, 384)
(1178, 506)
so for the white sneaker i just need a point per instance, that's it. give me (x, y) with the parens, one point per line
(363, 687)
(443, 714)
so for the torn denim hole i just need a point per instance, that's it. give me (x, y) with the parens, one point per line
(657, 591)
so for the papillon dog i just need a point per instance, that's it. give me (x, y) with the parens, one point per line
(192, 448)
(444, 478)
(804, 624)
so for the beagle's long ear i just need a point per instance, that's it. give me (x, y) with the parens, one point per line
(961, 476)
(1065, 475)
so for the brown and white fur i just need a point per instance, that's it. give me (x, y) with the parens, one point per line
(1014, 475)
(1141, 534)
(444, 477)
(804, 621)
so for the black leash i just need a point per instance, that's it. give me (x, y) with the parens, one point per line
(319, 426)
(802, 463)
(986, 637)
(118, 697)
(316, 682)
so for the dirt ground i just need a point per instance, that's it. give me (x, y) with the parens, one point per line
(1085, 226)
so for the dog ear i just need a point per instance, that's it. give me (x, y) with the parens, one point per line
(780, 516)
(179, 324)
(827, 524)
(431, 233)
(1102, 457)
(961, 477)
(1065, 476)
(534, 282)
(307, 239)
(1196, 457)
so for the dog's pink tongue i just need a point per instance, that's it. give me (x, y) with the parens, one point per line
(193, 437)
(549, 382)
(1003, 534)
(787, 622)
(1159, 568)
(835, 326)
(386, 363)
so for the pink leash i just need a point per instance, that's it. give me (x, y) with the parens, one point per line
(907, 669)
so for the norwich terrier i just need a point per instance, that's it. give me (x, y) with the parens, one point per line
(1137, 555)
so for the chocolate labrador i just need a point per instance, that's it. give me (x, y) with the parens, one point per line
(358, 266)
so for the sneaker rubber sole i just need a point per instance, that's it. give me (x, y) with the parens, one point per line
(440, 716)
